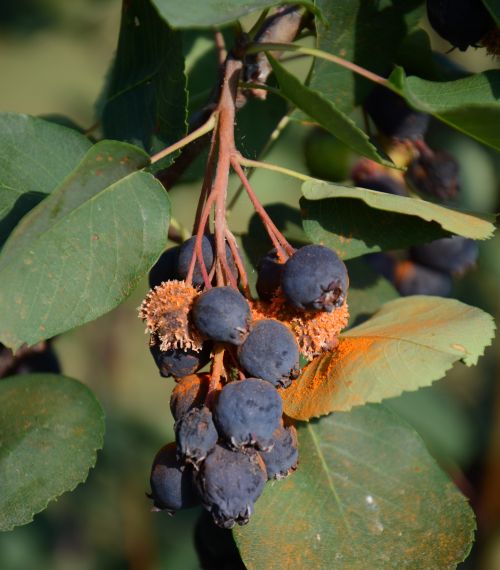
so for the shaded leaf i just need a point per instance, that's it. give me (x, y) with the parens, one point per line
(470, 105)
(81, 251)
(50, 430)
(145, 101)
(367, 494)
(325, 113)
(408, 344)
(196, 14)
(494, 9)
(356, 221)
(366, 33)
(35, 155)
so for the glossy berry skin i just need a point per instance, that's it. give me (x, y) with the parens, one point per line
(462, 22)
(453, 255)
(222, 314)
(180, 362)
(229, 482)
(315, 277)
(393, 117)
(270, 352)
(269, 275)
(247, 412)
(435, 175)
(190, 392)
(165, 269)
(414, 279)
(172, 487)
(282, 459)
(196, 435)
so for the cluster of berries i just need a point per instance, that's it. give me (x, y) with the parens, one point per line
(425, 269)
(231, 436)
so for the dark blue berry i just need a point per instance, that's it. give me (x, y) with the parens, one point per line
(222, 314)
(165, 269)
(382, 183)
(393, 117)
(270, 352)
(180, 362)
(172, 485)
(435, 175)
(282, 459)
(454, 255)
(229, 483)
(414, 279)
(196, 435)
(462, 22)
(382, 263)
(314, 277)
(190, 392)
(247, 412)
(269, 275)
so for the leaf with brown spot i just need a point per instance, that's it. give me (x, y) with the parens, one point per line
(408, 344)
(366, 495)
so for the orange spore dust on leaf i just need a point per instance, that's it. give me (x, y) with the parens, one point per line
(166, 310)
(311, 395)
(316, 331)
(403, 270)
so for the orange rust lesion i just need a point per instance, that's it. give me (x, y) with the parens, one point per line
(316, 331)
(166, 312)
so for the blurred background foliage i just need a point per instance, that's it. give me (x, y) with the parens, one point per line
(54, 56)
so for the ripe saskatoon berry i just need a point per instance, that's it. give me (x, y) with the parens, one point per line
(414, 279)
(189, 393)
(270, 352)
(165, 269)
(247, 412)
(454, 255)
(383, 263)
(196, 435)
(435, 175)
(282, 459)
(314, 277)
(229, 483)
(393, 117)
(172, 485)
(462, 22)
(269, 275)
(222, 314)
(382, 183)
(180, 362)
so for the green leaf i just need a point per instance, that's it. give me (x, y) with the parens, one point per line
(366, 494)
(366, 33)
(408, 344)
(196, 14)
(494, 9)
(325, 113)
(51, 428)
(35, 155)
(356, 221)
(470, 105)
(145, 102)
(81, 251)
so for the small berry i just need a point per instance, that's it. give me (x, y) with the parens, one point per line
(282, 459)
(383, 263)
(165, 269)
(315, 277)
(180, 362)
(454, 255)
(229, 483)
(382, 183)
(270, 352)
(414, 279)
(196, 435)
(393, 117)
(435, 175)
(462, 22)
(172, 487)
(269, 275)
(247, 412)
(222, 314)
(190, 392)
